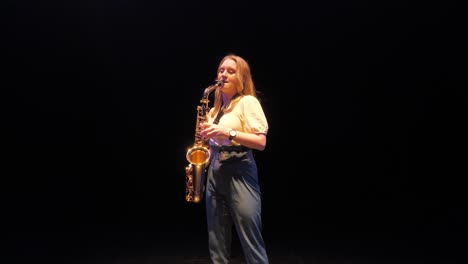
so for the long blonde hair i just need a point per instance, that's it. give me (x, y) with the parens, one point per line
(245, 80)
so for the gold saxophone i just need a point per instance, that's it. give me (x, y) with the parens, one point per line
(198, 155)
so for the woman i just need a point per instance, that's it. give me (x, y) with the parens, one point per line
(235, 126)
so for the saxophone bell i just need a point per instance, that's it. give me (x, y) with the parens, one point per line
(198, 157)
(198, 154)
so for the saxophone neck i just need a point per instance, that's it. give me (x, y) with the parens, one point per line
(211, 88)
(208, 90)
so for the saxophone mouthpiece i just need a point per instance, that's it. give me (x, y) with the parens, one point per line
(220, 82)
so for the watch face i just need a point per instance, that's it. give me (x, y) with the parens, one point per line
(232, 134)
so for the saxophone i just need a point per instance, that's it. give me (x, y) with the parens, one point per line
(198, 155)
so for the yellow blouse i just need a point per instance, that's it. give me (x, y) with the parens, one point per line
(246, 116)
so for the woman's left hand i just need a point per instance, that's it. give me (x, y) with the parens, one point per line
(213, 130)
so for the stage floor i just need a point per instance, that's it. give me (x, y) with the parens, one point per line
(194, 251)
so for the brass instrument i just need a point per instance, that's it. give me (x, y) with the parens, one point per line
(198, 155)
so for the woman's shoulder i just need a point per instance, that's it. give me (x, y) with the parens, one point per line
(249, 102)
(248, 99)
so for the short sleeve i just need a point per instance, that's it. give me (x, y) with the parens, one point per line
(254, 118)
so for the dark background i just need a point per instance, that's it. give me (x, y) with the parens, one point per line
(364, 100)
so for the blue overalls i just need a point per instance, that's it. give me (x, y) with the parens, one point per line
(233, 197)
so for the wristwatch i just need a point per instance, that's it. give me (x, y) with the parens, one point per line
(232, 134)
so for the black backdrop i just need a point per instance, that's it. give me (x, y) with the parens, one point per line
(364, 102)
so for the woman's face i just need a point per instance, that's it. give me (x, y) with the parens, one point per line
(228, 72)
